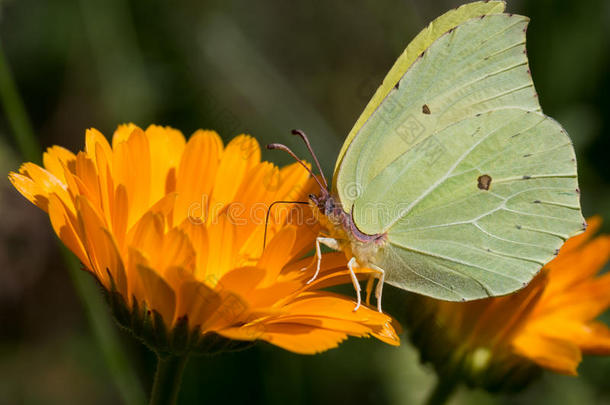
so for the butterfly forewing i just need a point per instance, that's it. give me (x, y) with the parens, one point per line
(422, 41)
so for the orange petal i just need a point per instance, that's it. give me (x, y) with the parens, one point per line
(240, 155)
(132, 168)
(30, 190)
(220, 236)
(198, 302)
(166, 147)
(46, 182)
(135, 259)
(597, 340)
(274, 257)
(64, 223)
(105, 181)
(158, 294)
(198, 236)
(120, 215)
(340, 325)
(122, 133)
(177, 252)
(275, 294)
(293, 180)
(324, 304)
(100, 247)
(255, 198)
(55, 159)
(242, 280)
(196, 175)
(589, 259)
(147, 235)
(94, 139)
(582, 302)
(301, 339)
(560, 356)
(593, 225)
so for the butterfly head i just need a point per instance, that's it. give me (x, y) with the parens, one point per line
(325, 203)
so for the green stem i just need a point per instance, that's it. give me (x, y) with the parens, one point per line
(105, 333)
(442, 392)
(98, 316)
(16, 114)
(167, 380)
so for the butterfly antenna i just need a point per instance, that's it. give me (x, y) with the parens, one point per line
(279, 146)
(269, 212)
(300, 133)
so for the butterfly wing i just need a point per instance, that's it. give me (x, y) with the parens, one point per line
(500, 201)
(423, 40)
(475, 188)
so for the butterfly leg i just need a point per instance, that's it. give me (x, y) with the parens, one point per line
(379, 289)
(316, 258)
(351, 265)
(331, 243)
(369, 289)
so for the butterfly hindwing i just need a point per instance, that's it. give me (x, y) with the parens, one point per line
(495, 216)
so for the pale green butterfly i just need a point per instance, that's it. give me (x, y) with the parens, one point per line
(453, 183)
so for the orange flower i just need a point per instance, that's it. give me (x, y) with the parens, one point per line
(500, 342)
(173, 231)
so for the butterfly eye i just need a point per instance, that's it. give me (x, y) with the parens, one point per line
(329, 206)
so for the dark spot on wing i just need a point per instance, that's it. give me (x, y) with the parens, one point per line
(518, 226)
(527, 177)
(536, 201)
(484, 182)
(425, 109)
(397, 84)
(527, 155)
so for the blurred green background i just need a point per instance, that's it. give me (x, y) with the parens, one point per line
(261, 68)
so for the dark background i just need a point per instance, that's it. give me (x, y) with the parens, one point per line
(262, 68)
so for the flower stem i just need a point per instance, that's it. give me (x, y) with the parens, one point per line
(167, 380)
(442, 392)
(16, 114)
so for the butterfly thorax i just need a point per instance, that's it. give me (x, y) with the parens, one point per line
(340, 226)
